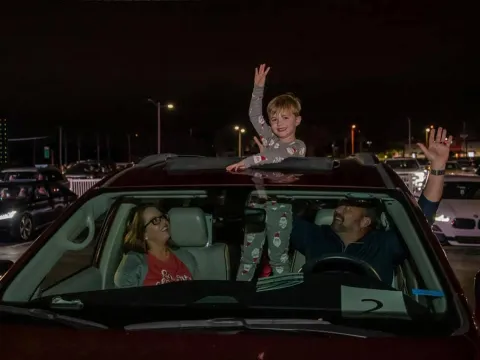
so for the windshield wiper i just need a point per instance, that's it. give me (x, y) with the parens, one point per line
(52, 316)
(288, 325)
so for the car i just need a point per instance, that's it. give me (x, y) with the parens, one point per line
(27, 207)
(47, 173)
(457, 221)
(411, 171)
(66, 278)
(454, 168)
(424, 163)
(89, 169)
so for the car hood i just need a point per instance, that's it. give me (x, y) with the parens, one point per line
(13, 252)
(460, 208)
(22, 342)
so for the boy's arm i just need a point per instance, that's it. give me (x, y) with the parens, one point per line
(256, 115)
(272, 155)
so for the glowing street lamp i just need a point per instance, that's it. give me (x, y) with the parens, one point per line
(159, 106)
(240, 132)
(353, 138)
(427, 131)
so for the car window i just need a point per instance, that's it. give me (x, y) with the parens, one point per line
(402, 164)
(461, 191)
(19, 175)
(15, 192)
(52, 175)
(452, 166)
(41, 192)
(73, 261)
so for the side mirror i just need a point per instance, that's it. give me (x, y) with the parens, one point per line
(255, 220)
(5, 265)
(476, 290)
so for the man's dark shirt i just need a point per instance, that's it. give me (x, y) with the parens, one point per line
(383, 250)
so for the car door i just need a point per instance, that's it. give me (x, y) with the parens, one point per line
(42, 207)
(58, 200)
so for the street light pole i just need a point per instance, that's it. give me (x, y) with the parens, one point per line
(129, 145)
(409, 135)
(158, 127)
(353, 138)
(159, 107)
(240, 132)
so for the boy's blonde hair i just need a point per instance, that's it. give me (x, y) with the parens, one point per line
(286, 101)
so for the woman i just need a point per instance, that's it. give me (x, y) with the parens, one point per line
(149, 259)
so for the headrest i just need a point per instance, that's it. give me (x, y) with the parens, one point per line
(188, 227)
(324, 217)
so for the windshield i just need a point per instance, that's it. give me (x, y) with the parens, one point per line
(423, 161)
(403, 164)
(461, 191)
(243, 247)
(15, 192)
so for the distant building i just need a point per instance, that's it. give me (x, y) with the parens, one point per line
(3, 142)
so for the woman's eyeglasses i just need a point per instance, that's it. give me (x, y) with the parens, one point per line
(157, 220)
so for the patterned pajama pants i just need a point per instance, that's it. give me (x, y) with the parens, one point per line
(277, 233)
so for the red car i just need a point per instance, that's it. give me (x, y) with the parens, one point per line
(60, 299)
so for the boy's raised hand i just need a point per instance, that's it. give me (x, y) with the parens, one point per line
(260, 75)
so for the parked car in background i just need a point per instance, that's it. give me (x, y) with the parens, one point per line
(454, 168)
(467, 164)
(34, 173)
(424, 163)
(411, 168)
(458, 218)
(88, 170)
(28, 207)
(334, 305)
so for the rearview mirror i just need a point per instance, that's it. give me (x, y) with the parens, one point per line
(5, 265)
(476, 286)
(255, 220)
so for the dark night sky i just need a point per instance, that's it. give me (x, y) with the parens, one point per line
(90, 66)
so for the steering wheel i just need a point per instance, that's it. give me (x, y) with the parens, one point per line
(339, 263)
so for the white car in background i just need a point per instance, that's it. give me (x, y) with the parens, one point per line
(457, 221)
(411, 172)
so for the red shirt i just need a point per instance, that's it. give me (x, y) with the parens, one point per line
(266, 269)
(163, 272)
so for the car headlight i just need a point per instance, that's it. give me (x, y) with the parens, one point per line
(442, 218)
(8, 215)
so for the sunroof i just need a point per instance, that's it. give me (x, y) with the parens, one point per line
(220, 163)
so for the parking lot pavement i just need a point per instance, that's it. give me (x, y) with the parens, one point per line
(465, 262)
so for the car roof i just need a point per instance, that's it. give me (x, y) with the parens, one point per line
(462, 178)
(21, 169)
(400, 159)
(30, 169)
(358, 171)
(23, 183)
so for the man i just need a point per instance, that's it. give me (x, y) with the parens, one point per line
(352, 231)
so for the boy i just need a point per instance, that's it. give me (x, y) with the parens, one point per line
(278, 142)
(278, 139)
